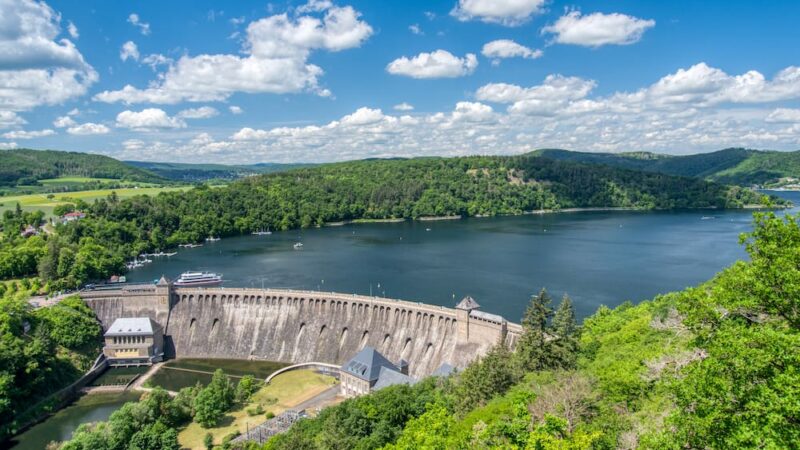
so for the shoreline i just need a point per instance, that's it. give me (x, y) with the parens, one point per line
(547, 211)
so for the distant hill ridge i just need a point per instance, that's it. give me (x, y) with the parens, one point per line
(203, 172)
(26, 166)
(732, 166)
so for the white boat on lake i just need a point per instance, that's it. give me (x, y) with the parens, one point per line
(199, 279)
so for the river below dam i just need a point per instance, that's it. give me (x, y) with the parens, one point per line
(596, 257)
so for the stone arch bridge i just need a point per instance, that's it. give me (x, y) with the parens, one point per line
(305, 326)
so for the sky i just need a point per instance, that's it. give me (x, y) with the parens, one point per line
(203, 81)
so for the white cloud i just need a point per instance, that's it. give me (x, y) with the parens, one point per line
(143, 27)
(249, 134)
(22, 134)
(506, 48)
(473, 112)
(437, 64)
(276, 52)
(129, 50)
(415, 29)
(88, 128)
(10, 119)
(64, 122)
(363, 116)
(505, 12)
(73, 30)
(784, 115)
(8, 145)
(699, 86)
(204, 112)
(148, 119)
(235, 109)
(694, 109)
(315, 6)
(598, 29)
(548, 98)
(404, 107)
(37, 68)
(156, 59)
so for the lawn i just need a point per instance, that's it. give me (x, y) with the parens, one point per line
(34, 202)
(286, 391)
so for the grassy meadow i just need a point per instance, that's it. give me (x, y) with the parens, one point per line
(46, 202)
(284, 392)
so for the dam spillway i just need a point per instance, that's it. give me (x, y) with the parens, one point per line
(304, 326)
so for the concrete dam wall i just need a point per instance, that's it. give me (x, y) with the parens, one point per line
(305, 326)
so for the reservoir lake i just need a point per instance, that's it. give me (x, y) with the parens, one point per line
(596, 257)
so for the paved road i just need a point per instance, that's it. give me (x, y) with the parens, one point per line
(321, 400)
(40, 301)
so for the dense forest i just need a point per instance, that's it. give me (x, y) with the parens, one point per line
(115, 230)
(41, 351)
(733, 166)
(716, 366)
(24, 166)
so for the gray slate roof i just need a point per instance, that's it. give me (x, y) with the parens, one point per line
(389, 377)
(468, 303)
(367, 364)
(131, 326)
(487, 316)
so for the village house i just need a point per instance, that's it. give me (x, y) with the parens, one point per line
(70, 216)
(29, 231)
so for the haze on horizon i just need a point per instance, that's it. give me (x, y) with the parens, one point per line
(205, 81)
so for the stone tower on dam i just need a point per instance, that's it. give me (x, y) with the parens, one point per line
(305, 326)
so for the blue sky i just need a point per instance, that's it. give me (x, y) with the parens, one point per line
(247, 81)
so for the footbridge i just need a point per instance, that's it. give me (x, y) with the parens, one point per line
(295, 326)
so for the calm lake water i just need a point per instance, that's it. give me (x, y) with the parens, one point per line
(61, 425)
(181, 373)
(598, 258)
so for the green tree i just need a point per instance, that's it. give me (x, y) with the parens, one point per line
(208, 441)
(564, 330)
(482, 380)
(213, 400)
(432, 430)
(245, 388)
(533, 348)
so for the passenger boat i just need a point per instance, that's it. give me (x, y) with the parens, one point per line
(199, 279)
(212, 239)
(298, 246)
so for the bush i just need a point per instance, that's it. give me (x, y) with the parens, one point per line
(255, 411)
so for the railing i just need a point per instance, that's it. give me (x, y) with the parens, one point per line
(329, 296)
(328, 369)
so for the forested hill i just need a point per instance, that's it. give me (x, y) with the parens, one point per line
(204, 172)
(734, 165)
(25, 166)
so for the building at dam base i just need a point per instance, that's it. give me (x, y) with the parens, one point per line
(305, 326)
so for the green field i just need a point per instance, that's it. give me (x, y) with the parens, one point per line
(46, 202)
